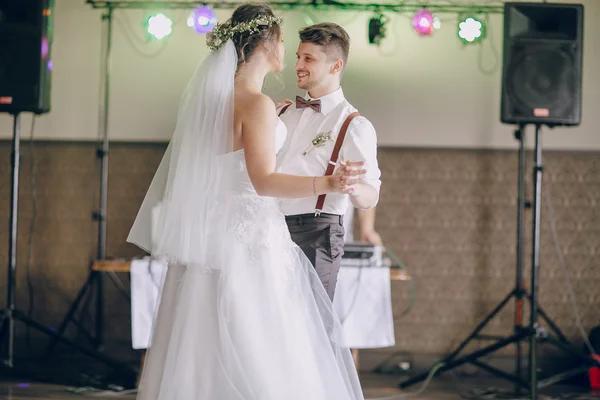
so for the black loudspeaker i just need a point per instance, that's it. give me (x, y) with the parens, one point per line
(542, 61)
(25, 56)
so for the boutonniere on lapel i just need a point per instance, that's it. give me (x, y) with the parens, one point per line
(319, 141)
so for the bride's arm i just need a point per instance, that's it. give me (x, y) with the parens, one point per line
(258, 134)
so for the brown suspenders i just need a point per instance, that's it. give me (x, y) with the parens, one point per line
(284, 109)
(334, 157)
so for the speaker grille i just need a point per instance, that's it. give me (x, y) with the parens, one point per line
(543, 77)
(17, 67)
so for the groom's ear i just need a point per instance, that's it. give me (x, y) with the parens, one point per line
(338, 66)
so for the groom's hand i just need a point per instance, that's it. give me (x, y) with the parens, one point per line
(347, 176)
(283, 103)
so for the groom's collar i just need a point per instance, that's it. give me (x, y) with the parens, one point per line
(329, 101)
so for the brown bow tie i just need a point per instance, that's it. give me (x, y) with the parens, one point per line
(303, 103)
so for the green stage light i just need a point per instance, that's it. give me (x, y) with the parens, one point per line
(159, 26)
(471, 30)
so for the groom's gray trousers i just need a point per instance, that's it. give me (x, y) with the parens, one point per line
(322, 240)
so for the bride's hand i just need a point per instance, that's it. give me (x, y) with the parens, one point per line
(283, 103)
(346, 176)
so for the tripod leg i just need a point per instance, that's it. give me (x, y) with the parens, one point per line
(84, 310)
(520, 383)
(91, 353)
(448, 360)
(72, 310)
(469, 358)
(479, 327)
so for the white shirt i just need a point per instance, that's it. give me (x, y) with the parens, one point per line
(349, 224)
(303, 125)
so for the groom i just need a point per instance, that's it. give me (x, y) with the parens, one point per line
(324, 130)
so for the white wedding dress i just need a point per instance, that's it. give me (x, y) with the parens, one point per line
(254, 322)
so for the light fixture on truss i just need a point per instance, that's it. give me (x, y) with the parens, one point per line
(159, 26)
(471, 30)
(377, 29)
(424, 23)
(202, 20)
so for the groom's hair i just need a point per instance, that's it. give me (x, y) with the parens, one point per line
(333, 38)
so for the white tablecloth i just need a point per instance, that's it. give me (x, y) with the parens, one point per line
(147, 278)
(363, 303)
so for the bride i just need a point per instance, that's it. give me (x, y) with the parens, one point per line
(243, 315)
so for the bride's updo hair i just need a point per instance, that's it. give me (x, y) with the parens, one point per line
(247, 41)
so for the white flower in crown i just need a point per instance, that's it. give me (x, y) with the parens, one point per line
(319, 141)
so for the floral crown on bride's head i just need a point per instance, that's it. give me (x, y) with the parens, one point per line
(221, 33)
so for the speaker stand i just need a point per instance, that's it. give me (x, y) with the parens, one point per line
(11, 314)
(533, 332)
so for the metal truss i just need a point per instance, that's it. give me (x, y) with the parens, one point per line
(322, 5)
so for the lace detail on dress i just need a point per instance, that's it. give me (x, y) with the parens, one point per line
(247, 223)
(257, 221)
(256, 230)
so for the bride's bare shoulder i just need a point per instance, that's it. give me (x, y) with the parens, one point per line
(253, 104)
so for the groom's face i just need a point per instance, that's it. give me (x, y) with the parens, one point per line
(313, 67)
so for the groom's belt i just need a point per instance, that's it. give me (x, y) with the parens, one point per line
(302, 219)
